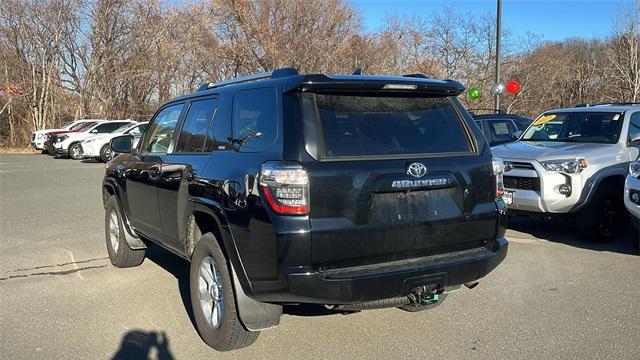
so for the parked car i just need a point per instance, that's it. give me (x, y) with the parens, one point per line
(68, 144)
(573, 161)
(97, 146)
(502, 128)
(39, 137)
(356, 192)
(632, 194)
(52, 137)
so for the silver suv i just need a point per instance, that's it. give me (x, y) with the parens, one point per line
(574, 161)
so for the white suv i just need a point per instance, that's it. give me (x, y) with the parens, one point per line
(97, 146)
(574, 161)
(39, 137)
(68, 144)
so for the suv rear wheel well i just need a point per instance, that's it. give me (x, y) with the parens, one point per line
(107, 192)
(201, 223)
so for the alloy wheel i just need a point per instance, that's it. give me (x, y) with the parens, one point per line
(114, 231)
(211, 292)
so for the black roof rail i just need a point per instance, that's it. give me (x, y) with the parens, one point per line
(278, 73)
(421, 76)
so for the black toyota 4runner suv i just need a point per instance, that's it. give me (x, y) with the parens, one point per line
(351, 191)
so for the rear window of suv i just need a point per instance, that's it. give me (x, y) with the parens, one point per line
(376, 126)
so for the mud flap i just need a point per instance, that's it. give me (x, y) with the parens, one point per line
(134, 242)
(255, 315)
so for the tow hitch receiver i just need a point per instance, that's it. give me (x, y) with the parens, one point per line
(424, 295)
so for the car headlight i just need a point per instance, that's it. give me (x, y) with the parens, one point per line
(62, 137)
(634, 169)
(40, 136)
(568, 166)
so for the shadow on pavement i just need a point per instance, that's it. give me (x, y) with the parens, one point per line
(140, 344)
(179, 268)
(90, 161)
(564, 232)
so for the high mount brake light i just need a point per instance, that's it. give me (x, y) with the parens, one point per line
(498, 171)
(286, 187)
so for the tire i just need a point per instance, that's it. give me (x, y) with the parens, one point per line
(75, 152)
(105, 153)
(120, 254)
(601, 219)
(416, 308)
(226, 332)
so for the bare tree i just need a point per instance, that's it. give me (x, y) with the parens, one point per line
(624, 53)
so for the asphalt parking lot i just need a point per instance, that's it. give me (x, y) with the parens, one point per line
(553, 297)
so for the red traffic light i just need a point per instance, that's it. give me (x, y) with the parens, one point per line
(513, 87)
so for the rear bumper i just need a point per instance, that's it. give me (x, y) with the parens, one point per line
(393, 279)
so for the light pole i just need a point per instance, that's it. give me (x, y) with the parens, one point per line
(498, 35)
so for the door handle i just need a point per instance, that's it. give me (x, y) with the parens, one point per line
(154, 171)
(191, 174)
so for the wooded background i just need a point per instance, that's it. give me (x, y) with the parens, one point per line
(119, 59)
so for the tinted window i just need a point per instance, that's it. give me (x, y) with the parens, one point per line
(109, 127)
(501, 131)
(196, 125)
(255, 122)
(634, 127)
(137, 130)
(579, 126)
(160, 131)
(379, 126)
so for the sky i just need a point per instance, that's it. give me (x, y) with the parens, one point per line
(552, 20)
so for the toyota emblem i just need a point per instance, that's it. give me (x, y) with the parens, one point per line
(417, 170)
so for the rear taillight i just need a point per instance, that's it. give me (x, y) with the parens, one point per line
(285, 187)
(498, 171)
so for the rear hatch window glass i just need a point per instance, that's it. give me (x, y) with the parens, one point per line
(370, 126)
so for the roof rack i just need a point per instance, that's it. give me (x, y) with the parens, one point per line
(493, 111)
(278, 73)
(609, 104)
(421, 76)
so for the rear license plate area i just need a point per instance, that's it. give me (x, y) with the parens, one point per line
(412, 206)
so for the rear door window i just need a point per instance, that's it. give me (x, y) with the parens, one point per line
(502, 131)
(255, 119)
(365, 126)
(193, 135)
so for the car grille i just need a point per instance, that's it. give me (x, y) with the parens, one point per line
(522, 165)
(522, 183)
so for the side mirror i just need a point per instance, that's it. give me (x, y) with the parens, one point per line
(121, 144)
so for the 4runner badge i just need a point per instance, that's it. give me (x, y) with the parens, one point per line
(417, 170)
